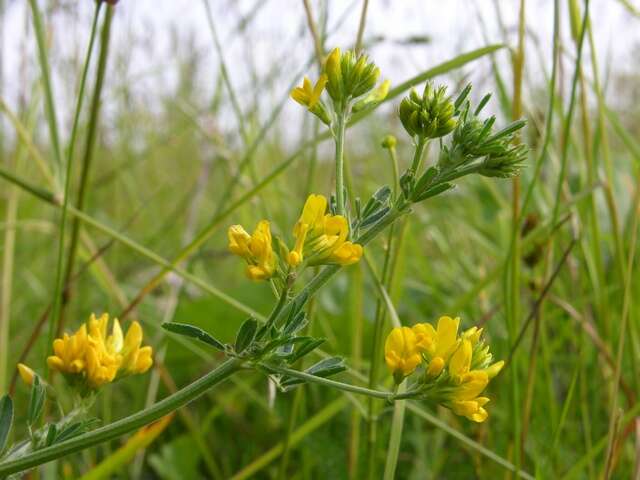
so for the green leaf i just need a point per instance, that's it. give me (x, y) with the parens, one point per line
(36, 401)
(296, 324)
(75, 429)
(51, 435)
(324, 368)
(305, 349)
(246, 334)
(192, 331)
(437, 190)
(6, 420)
(425, 180)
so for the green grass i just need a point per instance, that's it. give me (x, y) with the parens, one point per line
(161, 185)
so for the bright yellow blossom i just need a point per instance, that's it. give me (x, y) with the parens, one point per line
(308, 95)
(458, 366)
(401, 353)
(321, 238)
(97, 356)
(26, 374)
(256, 249)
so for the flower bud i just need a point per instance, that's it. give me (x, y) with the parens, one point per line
(389, 142)
(351, 76)
(26, 374)
(431, 115)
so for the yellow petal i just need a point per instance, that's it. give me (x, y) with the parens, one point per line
(461, 359)
(425, 337)
(447, 332)
(473, 383)
(133, 339)
(238, 240)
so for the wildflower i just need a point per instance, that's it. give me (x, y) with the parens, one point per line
(26, 374)
(351, 76)
(256, 249)
(431, 115)
(321, 238)
(94, 356)
(401, 352)
(308, 95)
(458, 365)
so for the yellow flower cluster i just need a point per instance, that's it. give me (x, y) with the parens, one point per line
(96, 356)
(321, 239)
(459, 366)
(256, 249)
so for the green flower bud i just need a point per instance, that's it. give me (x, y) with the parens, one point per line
(389, 141)
(431, 115)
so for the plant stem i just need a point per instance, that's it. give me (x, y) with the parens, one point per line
(91, 136)
(340, 131)
(396, 436)
(128, 424)
(347, 387)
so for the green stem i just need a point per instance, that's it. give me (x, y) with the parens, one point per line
(347, 387)
(46, 80)
(57, 295)
(418, 154)
(340, 132)
(127, 424)
(91, 134)
(395, 437)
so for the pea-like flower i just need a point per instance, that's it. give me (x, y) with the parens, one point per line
(94, 356)
(308, 95)
(256, 249)
(321, 238)
(401, 352)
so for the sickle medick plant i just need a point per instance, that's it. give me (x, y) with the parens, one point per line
(443, 366)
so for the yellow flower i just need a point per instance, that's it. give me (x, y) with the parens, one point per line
(494, 369)
(401, 353)
(465, 399)
(134, 358)
(322, 238)
(472, 409)
(308, 95)
(69, 352)
(98, 356)
(460, 362)
(446, 337)
(26, 374)
(256, 249)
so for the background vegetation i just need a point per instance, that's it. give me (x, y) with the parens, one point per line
(544, 263)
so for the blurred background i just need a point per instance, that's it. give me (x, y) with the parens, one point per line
(196, 93)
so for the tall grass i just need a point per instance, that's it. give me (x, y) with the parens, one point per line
(135, 225)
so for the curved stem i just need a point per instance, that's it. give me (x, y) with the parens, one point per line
(127, 424)
(340, 131)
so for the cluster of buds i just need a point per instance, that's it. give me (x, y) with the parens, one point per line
(347, 77)
(431, 115)
(457, 368)
(321, 238)
(92, 356)
(475, 140)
